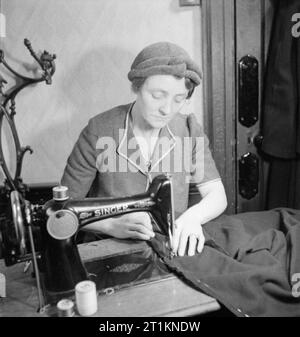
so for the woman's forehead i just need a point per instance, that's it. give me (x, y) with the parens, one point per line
(166, 83)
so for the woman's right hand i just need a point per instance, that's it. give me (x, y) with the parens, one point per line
(135, 225)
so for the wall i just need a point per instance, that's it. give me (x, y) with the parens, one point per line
(95, 42)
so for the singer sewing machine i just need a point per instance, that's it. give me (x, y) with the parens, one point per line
(131, 280)
(57, 223)
(123, 270)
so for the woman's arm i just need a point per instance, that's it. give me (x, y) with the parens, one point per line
(189, 224)
(135, 225)
(213, 203)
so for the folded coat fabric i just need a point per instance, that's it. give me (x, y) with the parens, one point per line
(253, 272)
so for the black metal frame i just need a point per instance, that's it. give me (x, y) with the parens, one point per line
(8, 110)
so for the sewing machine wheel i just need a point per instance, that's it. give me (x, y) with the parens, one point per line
(18, 232)
(62, 224)
(13, 232)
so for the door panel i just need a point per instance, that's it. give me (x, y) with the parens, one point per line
(248, 45)
(218, 45)
(252, 35)
(235, 40)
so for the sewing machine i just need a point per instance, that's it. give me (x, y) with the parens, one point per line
(46, 234)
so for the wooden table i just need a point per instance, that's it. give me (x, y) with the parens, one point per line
(167, 297)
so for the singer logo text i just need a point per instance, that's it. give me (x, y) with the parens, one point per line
(110, 210)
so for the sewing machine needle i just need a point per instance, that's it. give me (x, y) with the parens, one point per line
(26, 266)
(172, 225)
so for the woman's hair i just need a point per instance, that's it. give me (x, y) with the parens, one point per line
(138, 82)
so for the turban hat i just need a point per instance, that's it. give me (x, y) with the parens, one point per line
(164, 58)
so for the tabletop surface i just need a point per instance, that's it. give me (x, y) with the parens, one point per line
(166, 297)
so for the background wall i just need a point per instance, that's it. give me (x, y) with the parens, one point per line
(95, 42)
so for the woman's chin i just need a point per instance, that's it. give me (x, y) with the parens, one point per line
(158, 124)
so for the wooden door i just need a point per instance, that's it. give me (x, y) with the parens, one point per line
(235, 42)
(253, 26)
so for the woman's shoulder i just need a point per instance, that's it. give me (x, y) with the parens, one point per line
(186, 123)
(109, 119)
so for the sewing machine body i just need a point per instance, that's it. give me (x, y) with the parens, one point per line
(59, 221)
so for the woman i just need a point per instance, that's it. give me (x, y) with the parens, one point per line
(121, 150)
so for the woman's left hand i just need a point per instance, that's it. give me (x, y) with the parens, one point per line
(188, 233)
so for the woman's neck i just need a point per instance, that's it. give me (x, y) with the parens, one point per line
(145, 135)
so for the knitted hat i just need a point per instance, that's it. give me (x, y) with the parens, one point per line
(164, 58)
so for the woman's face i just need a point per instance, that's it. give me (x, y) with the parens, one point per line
(159, 99)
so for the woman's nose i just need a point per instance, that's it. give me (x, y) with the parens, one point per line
(166, 107)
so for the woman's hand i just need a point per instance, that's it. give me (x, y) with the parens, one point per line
(188, 233)
(135, 225)
(189, 225)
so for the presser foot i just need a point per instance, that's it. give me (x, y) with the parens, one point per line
(170, 250)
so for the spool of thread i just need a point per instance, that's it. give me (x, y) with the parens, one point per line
(2, 285)
(65, 308)
(86, 298)
(60, 193)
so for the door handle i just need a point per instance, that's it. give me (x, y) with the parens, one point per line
(248, 91)
(258, 140)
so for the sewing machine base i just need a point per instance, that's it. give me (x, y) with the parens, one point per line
(116, 272)
(121, 271)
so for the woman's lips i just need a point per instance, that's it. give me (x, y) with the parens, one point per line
(160, 119)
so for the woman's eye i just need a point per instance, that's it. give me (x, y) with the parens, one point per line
(157, 95)
(179, 99)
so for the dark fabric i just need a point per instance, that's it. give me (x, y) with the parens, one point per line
(284, 184)
(248, 263)
(280, 114)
